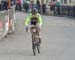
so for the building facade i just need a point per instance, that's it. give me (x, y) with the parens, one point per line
(68, 2)
(65, 2)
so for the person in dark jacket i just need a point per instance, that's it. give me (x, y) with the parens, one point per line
(44, 9)
(26, 7)
(4, 4)
(38, 5)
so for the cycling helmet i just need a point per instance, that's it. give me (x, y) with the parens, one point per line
(34, 10)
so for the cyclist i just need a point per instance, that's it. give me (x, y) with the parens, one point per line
(34, 14)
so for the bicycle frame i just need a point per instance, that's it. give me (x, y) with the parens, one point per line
(35, 39)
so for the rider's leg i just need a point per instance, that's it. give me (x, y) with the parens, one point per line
(31, 35)
(39, 38)
(38, 33)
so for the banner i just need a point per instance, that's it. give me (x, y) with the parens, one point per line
(1, 26)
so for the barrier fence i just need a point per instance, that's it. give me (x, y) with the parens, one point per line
(67, 11)
(63, 10)
(7, 22)
(2, 22)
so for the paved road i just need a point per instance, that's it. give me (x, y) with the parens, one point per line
(58, 40)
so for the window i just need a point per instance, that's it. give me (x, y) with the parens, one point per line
(62, 1)
(46, 1)
(65, 1)
(52, 0)
(70, 1)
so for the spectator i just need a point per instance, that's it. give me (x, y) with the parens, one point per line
(22, 4)
(12, 2)
(26, 7)
(44, 9)
(9, 4)
(31, 5)
(58, 7)
(19, 4)
(38, 5)
(52, 6)
(4, 4)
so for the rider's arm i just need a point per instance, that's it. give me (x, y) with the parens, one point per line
(40, 19)
(27, 20)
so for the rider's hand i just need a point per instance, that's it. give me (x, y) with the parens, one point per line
(26, 28)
